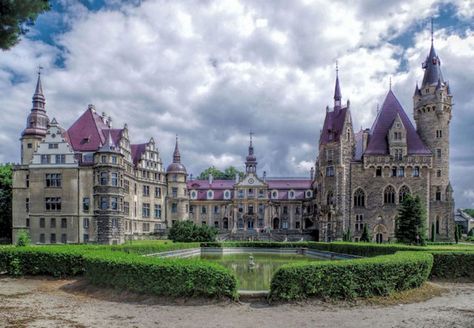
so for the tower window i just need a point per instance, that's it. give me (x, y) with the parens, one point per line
(439, 133)
(330, 171)
(438, 153)
(438, 194)
(30, 145)
(401, 171)
(378, 171)
(416, 171)
(438, 173)
(394, 171)
(389, 195)
(359, 198)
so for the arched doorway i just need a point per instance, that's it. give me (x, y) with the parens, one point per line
(225, 224)
(379, 238)
(380, 233)
(250, 224)
(276, 223)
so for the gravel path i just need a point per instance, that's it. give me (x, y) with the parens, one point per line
(43, 302)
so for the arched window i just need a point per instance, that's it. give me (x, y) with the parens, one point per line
(438, 193)
(389, 195)
(404, 191)
(330, 198)
(359, 198)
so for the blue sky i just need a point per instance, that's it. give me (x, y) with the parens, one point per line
(211, 71)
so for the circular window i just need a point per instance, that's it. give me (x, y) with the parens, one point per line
(227, 194)
(210, 194)
(274, 194)
(193, 194)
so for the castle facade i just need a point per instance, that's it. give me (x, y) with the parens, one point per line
(89, 183)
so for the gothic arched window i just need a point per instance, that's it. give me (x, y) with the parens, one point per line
(359, 198)
(389, 195)
(404, 191)
(438, 193)
(330, 198)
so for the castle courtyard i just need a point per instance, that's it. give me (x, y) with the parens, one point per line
(46, 302)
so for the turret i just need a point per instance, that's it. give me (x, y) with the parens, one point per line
(251, 159)
(36, 124)
(177, 199)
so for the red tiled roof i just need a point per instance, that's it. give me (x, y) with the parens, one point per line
(333, 123)
(378, 144)
(86, 134)
(137, 151)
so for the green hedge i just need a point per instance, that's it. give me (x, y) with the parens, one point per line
(103, 267)
(351, 278)
(453, 265)
(144, 247)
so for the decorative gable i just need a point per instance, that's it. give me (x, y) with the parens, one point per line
(397, 138)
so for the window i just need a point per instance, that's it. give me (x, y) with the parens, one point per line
(86, 202)
(397, 135)
(389, 195)
(104, 178)
(291, 194)
(241, 208)
(85, 223)
(297, 225)
(27, 222)
(438, 194)
(404, 191)
(216, 209)
(42, 222)
(146, 210)
(103, 159)
(359, 225)
(359, 198)
(330, 198)
(126, 208)
(203, 209)
(146, 227)
(113, 203)
(157, 192)
(126, 185)
(378, 171)
(191, 209)
(27, 205)
(250, 210)
(216, 224)
(157, 211)
(45, 159)
(53, 180)
(64, 238)
(401, 172)
(398, 154)
(174, 208)
(52, 223)
(438, 173)
(104, 203)
(30, 145)
(285, 209)
(438, 153)
(114, 223)
(86, 237)
(60, 159)
(53, 203)
(329, 154)
(274, 194)
(114, 179)
(27, 181)
(439, 133)
(175, 177)
(174, 192)
(227, 194)
(330, 171)
(437, 225)
(114, 159)
(146, 190)
(416, 171)
(64, 223)
(42, 239)
(241, 194)
(53, 238)
(394, 171)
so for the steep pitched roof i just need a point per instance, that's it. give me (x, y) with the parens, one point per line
(432, 67)
(87, 133)
(333, 123)
(378, 144)
(137, 151)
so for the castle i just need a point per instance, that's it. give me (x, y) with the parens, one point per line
(91, 184)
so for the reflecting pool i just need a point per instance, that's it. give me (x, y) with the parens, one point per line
(254, 271)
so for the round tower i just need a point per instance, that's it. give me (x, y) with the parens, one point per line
(177, 197)
(36, 124)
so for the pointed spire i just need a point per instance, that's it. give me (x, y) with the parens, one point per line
(176, 154)
(432, 65)
(109, 144)
(251, 160)
(39, 100)
(417, 90)
(37, 121)
(250, 144)
(337, 90)
(438, 86)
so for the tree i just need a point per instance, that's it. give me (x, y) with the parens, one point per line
(411, 220)
(23, 238)
(187, 231)
(228, 174)
(6, 200)
(16, 16)
(365, 234)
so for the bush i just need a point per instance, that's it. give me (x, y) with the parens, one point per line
(187, 231)
(351, 278)
(453, 265)
(150, 247)
(23, 238)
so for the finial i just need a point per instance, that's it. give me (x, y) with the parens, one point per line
(39, 69)
(432, 31)
(251, 135)
(390, 83)
(337, 68)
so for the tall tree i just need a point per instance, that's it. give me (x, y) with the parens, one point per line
(228, 174)
(16, 16)
(6, 201)
(411, 226)
(365, 237)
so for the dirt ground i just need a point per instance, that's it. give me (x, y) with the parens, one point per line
(45, 302)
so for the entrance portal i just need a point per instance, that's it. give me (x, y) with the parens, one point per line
(276, 223)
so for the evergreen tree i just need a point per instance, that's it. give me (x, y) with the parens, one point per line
(410, 228)
(365, 234)
(6, 201)
(228, 174)
(433, 233)
(456, 234)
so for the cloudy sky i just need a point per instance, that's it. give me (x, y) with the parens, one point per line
(211, 71)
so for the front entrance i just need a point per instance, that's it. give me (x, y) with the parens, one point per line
(250, 224)
(225, 223)
(276, 223)
(379, 238)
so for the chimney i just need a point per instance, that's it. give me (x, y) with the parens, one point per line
(348, 103)
(210, 178)
(311, 173)
(104, 118)
(237, 178)
(365, 139)
(264, 176)
(109, 119)
(91, 107)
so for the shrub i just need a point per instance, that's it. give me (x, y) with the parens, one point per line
(410, 225)
(365, 237)
(453, 265)
(187, 231)
(349, 279)
(23, 238)
(150, 247)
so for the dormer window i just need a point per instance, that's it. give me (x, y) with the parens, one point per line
(274, 194)
(227, 194)
(291, 194)
(193, 194)
(309, 193)
(210, 194)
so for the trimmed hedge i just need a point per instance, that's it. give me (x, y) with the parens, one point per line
(152, 247)
(351, 278)
(453, 265)
(103, 267)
